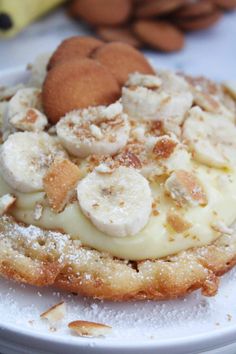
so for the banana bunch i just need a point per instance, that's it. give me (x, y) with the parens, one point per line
(17, 14)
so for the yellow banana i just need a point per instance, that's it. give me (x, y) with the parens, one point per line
(17, 14)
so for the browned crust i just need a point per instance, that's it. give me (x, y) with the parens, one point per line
(46, 258)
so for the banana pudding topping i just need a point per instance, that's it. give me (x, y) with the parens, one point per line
(97, 173)
(177, 223)
(116, 181)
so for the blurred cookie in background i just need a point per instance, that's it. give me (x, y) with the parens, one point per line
(160, 35)
(195, 23)
(152, 8)
(120, 34)
(156, 24)
(102, 12)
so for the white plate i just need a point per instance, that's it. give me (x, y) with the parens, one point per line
(190, 325)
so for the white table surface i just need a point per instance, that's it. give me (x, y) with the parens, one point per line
(211, 52)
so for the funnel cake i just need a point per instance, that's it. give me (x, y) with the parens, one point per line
(120, 194)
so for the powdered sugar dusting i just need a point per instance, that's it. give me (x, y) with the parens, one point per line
(21, 305)
(33, 237)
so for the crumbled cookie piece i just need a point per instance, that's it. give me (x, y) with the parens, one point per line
(89, 329)
(59, 183)
(6, 201)
(167, 104)
(129, 159)
(55, 313)
(29, 120)
(177, 222)
(164, 147)
(185, 188)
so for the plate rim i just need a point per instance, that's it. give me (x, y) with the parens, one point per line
(206, 341)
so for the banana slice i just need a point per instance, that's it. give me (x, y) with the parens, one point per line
(167, 102)
(19, 104)
(34, 153)
(211, 137)
(24, 98)
(96, 130)
(117, 203)
(211, 96)
(211, 104)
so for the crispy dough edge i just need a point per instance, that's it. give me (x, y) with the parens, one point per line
(54, 259)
